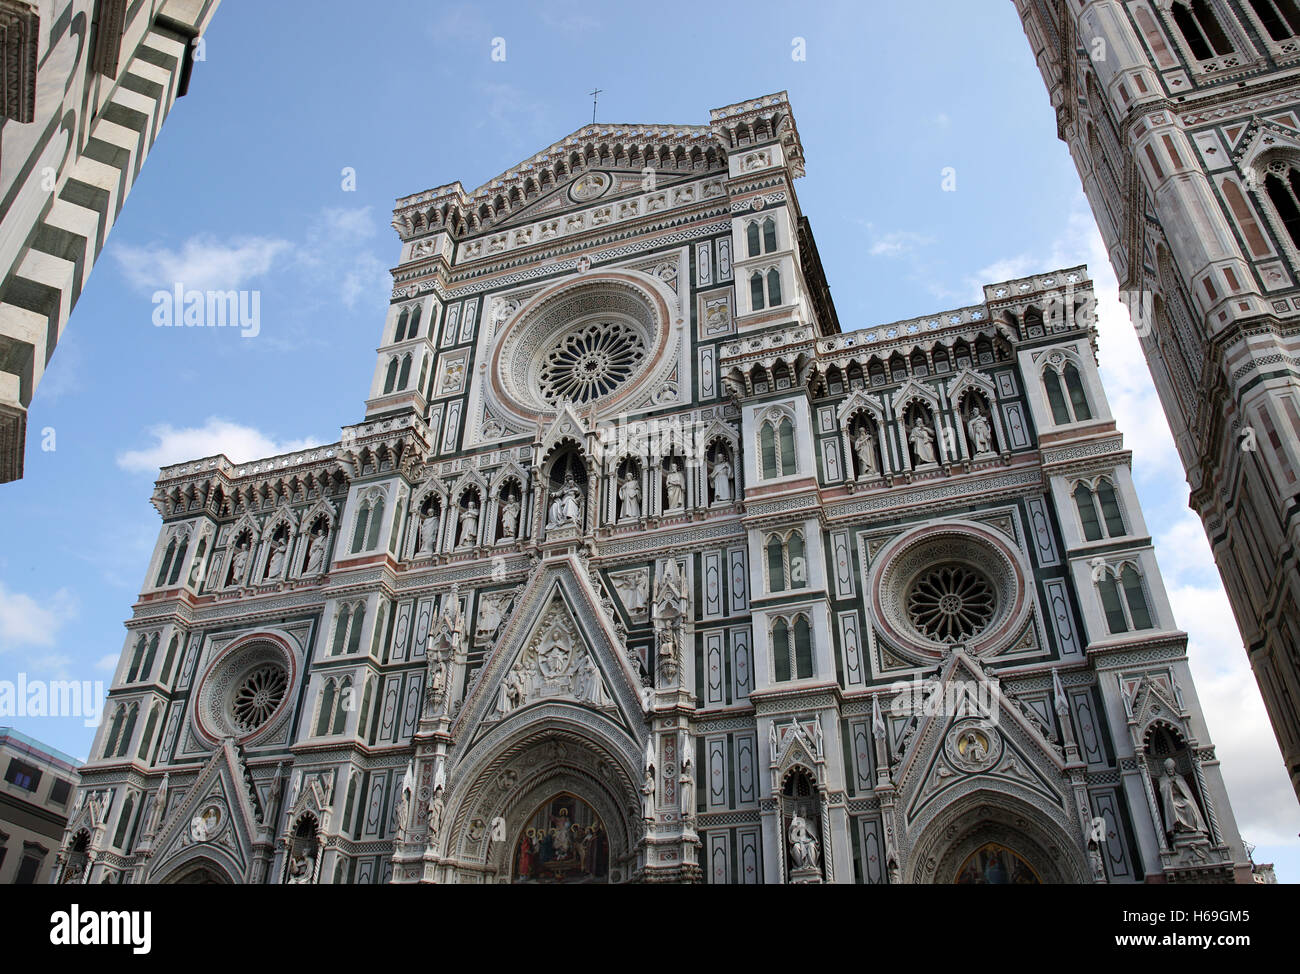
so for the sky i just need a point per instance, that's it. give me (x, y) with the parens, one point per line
(246, 189)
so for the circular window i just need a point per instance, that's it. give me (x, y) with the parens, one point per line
(258, 696)
(951, 603)
(955, 582)
(590, 342)
(245, 691)
(591, 361)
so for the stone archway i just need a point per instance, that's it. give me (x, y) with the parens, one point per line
(1000, 836)
(504, 782)
(197, 872)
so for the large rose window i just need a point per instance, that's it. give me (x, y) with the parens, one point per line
(591, 361)
(951, 603)
(244, 693)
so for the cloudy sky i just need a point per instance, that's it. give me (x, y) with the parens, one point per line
(246, 189)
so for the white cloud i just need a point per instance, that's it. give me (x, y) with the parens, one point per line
(27, 621)
(202, 263)
(239, 443)
(107, 663)
(898, 244)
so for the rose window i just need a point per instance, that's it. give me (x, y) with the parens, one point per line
(951, 603)
(591, 362)
(258, 696)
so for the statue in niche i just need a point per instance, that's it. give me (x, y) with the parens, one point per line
(315, 553)
(686, 784)
(1181, 811)
(587, 685)
(404, 804)
(437, 690)
(566, 505)
(239, 563)
(428, 532)
(981, 433)
(922, 437)
(720, 477)
(675, 487)
(648, 793)
(469, 525)
(670, 614)
(453, 623)
(864, 445)
(436, 807)
(629, 492)
(803, 844)
(275, 563)
(510, 508)
(301, 868)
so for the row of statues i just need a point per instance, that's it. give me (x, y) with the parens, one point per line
(314, 563)
(921, 436)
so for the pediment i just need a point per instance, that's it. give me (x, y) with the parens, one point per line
(962, 730)
(559, 645)
(216, 812)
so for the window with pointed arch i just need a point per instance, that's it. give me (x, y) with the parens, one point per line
(170, 659)
(146, 648)
(335, 702)
(114, 730)
(348, 622)
(776, 450)
(765, 289)
(1099, 510)
(169, 572)
(1280, 18)
(370, 520)
(123, 821)
(1066, 395)
(786, 561)
(1124, 599)
(1200, 29)
(760, 236)
(121, 731)
(1282, 187)
(146, 738)
(363, 715)
(792, 657)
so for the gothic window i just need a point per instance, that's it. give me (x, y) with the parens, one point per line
(364, 716)
(342, 704)
(390, 378)
(347, 628)
(147, 737)
(376, 639)
(1124, 600)
(414, 328)
(114, 731)
(326, 710)
(752, 238)
(756, 291)
(136, 657)
(123, 821)
(258, 696)
(1087, 501)
(147, 666)
(951, 603)
(766, 229)
(180, 560)
(1075, 409)
(792, 650)
(591, 362)
(769, 235)
(169, 659)
(400, 334)
(787, 563)
(370, 518)
(133, 711)
(1281, 18)
(166, 564)
(1282, 184)
(405, 376)
(1201, 29)
(773, 287)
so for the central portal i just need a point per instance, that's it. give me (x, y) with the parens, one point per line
(563, 841)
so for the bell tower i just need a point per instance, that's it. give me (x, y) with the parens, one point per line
(1183, 119)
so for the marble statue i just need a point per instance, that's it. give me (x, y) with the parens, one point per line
(316, 554)
(239, 564)
(922, 438)
(675, 487)
(865, 447)
(275, 564)
(469, 526)
(509, 516)
(1181, 811)
(981, 433)
(629, 492)
(566, 505)
(515, 690)
(428, 533)
(720, 477)
(686, 784)
(803, 845)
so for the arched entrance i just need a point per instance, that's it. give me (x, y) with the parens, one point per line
(197, 872)
(563, 841)
(552, 762)
(992, 838)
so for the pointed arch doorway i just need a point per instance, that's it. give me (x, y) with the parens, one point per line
(563, 842)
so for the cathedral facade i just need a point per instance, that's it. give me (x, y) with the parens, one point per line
(640, 568)
(1183, 119)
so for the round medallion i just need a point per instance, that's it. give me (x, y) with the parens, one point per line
(258, 696)
(951, 603)
(244, 692)
(589, 186)
(590, 362)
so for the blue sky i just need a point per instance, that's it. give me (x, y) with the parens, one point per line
(244, 190)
